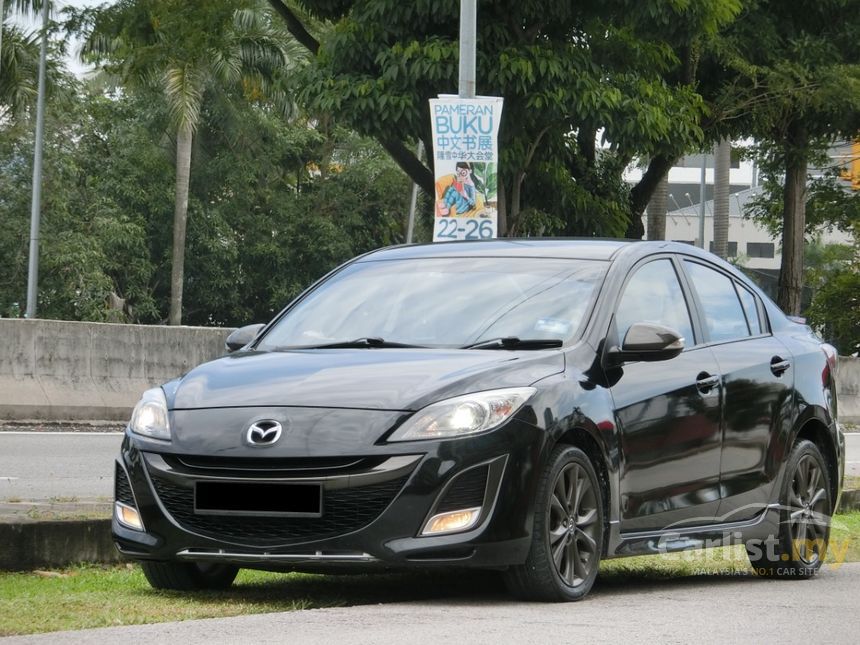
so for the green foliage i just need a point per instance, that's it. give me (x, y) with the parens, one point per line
(835, 307)
(789, 63)
(273, 206)
(832, 271)
(830, 204)
(566, 70)
(93, 238)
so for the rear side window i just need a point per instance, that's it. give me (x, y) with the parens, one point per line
(750, 309)
(654, 294)
(724, 315)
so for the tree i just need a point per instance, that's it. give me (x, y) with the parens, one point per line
(657, 209)
(273, 204)
(622, 68)
(835, 306)
(19, 63)
(190, 52)
(832, 272)
(791, 79)
(94, 240)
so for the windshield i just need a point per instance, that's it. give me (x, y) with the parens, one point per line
(443, 302)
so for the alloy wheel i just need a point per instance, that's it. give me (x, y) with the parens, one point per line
(573, 525)
(808, 514)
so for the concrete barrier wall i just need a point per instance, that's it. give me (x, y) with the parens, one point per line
(848, 396)
(58, 370)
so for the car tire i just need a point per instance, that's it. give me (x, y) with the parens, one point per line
(188, 576)
(567, 538)
(804, 519)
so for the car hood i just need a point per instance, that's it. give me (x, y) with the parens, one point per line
(372, 379)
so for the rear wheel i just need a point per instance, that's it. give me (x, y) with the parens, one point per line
(804, 528)
(188, 576)
(567, 539)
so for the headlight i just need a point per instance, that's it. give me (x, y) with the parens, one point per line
(463, 415)
(150, 416)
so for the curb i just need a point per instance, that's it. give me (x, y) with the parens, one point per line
(850, 501)
(55, 544)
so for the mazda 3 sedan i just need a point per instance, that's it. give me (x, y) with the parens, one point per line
(530, 406)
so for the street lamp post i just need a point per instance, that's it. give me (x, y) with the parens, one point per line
(36, 210)
(468, 47)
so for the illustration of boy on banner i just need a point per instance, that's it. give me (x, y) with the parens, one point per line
(456, 194)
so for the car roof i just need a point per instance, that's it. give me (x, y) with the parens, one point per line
(566, 248)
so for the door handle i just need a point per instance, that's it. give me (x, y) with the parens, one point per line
(778, 366)
(706, 382)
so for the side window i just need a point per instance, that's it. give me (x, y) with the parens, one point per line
(723, 312)
(654, 294)
(750, 309)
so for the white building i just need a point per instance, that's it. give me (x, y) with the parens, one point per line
(749, 242)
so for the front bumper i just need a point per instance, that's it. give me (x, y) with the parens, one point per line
(374, 507)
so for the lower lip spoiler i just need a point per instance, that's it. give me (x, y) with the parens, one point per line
(202, 555)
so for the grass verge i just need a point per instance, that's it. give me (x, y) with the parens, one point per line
(93, 596)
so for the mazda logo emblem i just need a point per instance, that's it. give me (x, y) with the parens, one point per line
(264, 433)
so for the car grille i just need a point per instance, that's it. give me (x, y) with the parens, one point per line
(268, 466)
(344, 510)
(122, 489)
(466, 491)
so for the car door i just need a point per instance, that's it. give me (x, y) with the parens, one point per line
(668, 412)
(758, 384)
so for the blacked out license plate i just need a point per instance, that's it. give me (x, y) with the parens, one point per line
(257, 498)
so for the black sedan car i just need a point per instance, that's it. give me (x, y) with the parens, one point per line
(531, 406)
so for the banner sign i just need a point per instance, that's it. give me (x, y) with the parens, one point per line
(466, 156)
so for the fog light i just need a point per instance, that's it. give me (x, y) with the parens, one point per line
(128, 516)
(452, 521)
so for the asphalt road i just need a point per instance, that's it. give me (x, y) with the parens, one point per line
(78, 466)
(701, 609)
(56, 466)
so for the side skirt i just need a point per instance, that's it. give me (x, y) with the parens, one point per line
(671, 539)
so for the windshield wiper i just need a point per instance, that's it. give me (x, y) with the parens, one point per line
(358, 343)
(512, 342)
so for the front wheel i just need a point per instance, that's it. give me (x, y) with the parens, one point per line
(567, 539)
(804, 529)
(188, 576)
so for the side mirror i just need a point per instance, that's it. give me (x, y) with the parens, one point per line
(649, 342)
(238, 338)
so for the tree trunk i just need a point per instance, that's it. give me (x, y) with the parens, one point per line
(502, 209)
(657, 210)
(793, 224)
(641, 193)
(410, 164)
(722, 165)
(180, 219)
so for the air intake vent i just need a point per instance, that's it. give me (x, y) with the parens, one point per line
(122, 489)
(466, 491)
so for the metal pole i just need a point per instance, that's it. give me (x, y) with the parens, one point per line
(414, 200)
(702, 186)
(468, 45)
(36, 210)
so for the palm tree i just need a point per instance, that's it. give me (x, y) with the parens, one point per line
(190, 52)
(19, 60)
(19, 68)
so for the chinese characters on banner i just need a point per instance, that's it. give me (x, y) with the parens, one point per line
(466, 156)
